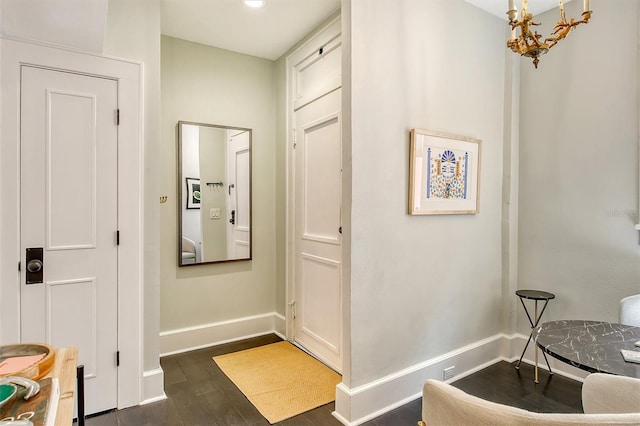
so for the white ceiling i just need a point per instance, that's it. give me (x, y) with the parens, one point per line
(270, 31)
(499, 7)
(267, 32)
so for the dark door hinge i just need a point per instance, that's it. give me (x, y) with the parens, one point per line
(117, 238)
(118, 359)
(118, 117)
(19, 266)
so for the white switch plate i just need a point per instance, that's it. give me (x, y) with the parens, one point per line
(214, 213)
(448, 373)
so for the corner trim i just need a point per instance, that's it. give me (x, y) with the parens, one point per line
(153, 386)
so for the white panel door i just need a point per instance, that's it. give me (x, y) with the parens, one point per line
(239, 214)
(318, 193)
(68, 178)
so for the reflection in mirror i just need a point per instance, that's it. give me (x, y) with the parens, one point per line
(214, 181)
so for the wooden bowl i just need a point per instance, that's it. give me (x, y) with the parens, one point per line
(36, 370)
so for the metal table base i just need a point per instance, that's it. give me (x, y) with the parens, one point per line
(536, 296)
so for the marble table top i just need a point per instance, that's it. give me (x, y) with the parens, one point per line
(593, 346)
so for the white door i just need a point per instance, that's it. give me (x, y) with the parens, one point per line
(318, 183)
(314, 78)
(68, 178)
(239, 191)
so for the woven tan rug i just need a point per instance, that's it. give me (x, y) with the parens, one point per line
(280, 380)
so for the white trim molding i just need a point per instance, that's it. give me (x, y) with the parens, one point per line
(153, 386)
(363, 403)
(206, 335)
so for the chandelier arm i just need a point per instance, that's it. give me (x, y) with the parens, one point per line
(528, 43)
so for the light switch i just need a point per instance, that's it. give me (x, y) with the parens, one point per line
(214, 213)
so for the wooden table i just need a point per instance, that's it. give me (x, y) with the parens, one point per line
(593, 346)
(64, 368)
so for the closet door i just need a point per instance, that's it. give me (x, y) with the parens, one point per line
(68, 191)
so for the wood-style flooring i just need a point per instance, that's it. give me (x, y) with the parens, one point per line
(198, 393)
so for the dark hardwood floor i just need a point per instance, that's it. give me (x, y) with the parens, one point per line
(198, 393)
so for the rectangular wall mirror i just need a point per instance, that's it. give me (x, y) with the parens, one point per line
(214, 193)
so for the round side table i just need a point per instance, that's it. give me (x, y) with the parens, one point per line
(536, 296)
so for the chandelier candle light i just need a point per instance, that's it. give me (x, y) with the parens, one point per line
(528, 43)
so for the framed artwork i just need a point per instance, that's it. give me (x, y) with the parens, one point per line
(444, 173)
(193, 193)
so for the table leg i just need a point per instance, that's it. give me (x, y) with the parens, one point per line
(535, 378)
(535, 348)
(524, 350)
(530, 334)
(80, 379)
(547, 361)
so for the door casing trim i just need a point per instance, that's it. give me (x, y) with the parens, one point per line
(325, 34)
(13, 55)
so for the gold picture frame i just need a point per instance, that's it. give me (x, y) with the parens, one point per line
(444, 173)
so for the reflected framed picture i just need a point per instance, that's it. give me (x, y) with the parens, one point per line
(444, 173)
(193, 193)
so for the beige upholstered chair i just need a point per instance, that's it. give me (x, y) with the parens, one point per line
(630, 310)
(606, 399)
(188, 251)
(607, 394)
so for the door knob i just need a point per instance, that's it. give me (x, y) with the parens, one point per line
(34, 265)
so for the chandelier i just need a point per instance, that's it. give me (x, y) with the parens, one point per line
(529, 43)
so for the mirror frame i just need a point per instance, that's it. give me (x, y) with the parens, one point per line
(180, 178)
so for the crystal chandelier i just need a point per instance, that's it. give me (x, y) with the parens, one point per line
(529, 43)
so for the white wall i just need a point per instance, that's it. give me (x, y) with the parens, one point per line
(579, 167)
(421, 285)
(209, 85)
(425, 292)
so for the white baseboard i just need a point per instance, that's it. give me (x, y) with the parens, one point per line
(358, 405)
(363, 403)
(153, 386)
(206, 335)
(280, 325)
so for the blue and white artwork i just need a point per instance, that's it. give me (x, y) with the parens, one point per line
(447, 176)
(444, 173)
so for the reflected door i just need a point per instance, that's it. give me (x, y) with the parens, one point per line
(239, 190)
(69, 220)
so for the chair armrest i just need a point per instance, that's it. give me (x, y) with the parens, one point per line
(443, 404)
(630, 310)
(606, 393)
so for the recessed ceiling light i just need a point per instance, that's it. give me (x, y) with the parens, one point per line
(254, 3)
